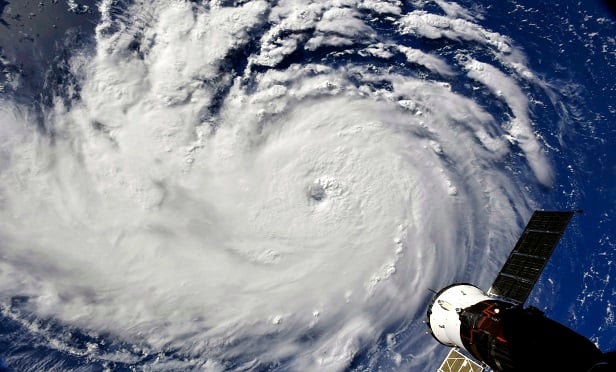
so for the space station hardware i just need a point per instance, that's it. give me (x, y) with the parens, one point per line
(494, 330)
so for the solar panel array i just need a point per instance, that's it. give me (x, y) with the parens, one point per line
(528, 258)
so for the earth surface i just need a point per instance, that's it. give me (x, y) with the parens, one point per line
(278, 185)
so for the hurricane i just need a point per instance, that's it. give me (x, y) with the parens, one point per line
(266, 185)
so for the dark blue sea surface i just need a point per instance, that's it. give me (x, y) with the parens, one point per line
(564, 44)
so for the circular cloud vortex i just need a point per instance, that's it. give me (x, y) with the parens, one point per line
(265, 184)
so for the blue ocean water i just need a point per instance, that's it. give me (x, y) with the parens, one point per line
(562, 39)
(563, 42)
(569, 45)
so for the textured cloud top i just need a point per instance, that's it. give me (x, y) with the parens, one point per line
(267, 185)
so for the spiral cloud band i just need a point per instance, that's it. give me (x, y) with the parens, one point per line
(276, 184)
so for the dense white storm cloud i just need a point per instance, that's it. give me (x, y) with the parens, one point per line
(277, 211)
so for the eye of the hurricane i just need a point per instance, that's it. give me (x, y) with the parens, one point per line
(316, 192)
(324, 187)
